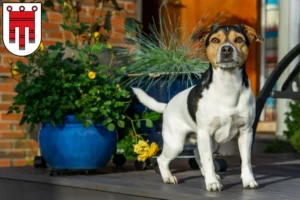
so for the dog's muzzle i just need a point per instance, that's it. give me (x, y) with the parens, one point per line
(227, 56)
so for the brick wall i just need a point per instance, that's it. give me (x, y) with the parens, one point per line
(16, 147)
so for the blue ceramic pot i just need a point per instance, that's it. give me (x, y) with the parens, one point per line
(71, 146)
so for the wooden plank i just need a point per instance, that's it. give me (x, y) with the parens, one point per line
(278, 176)
(31, 190)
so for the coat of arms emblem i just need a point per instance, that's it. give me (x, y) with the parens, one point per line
(22, 26)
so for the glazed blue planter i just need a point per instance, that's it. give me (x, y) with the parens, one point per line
(71, 146)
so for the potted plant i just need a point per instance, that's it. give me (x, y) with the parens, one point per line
(76, 96)
(77, 102)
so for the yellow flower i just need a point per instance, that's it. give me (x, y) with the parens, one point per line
(42, 47)
(153, 149)
(138, 149)
(73, 55)
(144, 150)
(117, 86)
(143, 157)
(92, 75)
(96, 34)
(143, 143)
(141, 147)
(65, 4)
(109, 45)
(15, 71)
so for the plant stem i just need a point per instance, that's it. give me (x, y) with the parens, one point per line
(111, 59)
(133, 128)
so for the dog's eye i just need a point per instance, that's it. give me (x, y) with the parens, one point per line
(215, 40)
(238, 40)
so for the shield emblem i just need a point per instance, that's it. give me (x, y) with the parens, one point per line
(22, 27)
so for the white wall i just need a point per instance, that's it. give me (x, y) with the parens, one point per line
(289, 36)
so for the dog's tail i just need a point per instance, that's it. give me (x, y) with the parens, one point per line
(148, 101)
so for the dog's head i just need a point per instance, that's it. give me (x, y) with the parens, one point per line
(227, 47)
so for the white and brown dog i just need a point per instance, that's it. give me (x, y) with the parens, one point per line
(217, 109)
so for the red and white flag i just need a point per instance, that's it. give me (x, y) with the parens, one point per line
(22, 27)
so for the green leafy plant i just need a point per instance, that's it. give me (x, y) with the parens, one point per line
(279, 146)
(295, 140)
(165, 55)
(134, 128)
(54, 84)
(292, 121)
(124, 147)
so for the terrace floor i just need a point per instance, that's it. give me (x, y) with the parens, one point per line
(278, 176)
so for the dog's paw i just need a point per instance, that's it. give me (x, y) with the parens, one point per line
(171, 180)
(248, 180)
(250, 184)
(213, 185)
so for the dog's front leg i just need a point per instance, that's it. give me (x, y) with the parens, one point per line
(245, 142)
(206, 155)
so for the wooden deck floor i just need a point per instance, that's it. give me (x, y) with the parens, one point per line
(278, 176)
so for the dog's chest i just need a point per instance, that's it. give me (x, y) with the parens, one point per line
(225, 112)
(223, 129)
(225, 119)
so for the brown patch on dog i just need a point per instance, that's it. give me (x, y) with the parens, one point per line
(201, 35)
(239, 42)
(215, 41)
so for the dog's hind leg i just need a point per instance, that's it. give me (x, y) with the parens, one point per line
(173, 146)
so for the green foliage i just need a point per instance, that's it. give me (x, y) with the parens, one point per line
(124, 147)
(279, 146)
(52, 87)
(292, 119)
(165, 55)
(125, 144)
(295, 139)
(130, 26)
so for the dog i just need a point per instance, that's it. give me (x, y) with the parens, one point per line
(220, 107)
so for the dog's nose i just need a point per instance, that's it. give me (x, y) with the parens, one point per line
(226, 50)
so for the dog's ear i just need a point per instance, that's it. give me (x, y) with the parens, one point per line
(251, 34)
